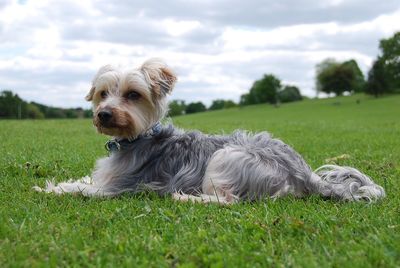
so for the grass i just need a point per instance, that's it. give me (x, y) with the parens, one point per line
(145, 230)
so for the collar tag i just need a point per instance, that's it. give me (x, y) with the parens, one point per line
(156, 129)
(112, 146)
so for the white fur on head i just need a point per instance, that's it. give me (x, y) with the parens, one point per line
(160, 77)
(102, 70)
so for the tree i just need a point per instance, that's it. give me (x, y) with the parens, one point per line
(11, 105)
(265, 90)
(359, 80)
(176, 107)
(289, 94)
(334, 77)
(376, 84)
(195, 107)
(384, 75)
(390, 58)
(320, 69)
(6, 107)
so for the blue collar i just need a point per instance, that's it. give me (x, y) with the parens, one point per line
(116, 145)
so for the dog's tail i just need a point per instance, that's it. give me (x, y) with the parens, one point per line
(344, 183)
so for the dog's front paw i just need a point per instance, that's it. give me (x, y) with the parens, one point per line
(180, 197)
(50, 187)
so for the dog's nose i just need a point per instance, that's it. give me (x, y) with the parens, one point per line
(105, 116)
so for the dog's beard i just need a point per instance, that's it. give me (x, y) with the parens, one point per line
(125, 124)
(121, 125)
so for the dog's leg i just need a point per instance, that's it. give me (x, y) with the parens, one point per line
(83, 186)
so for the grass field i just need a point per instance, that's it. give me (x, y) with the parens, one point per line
(146, 230)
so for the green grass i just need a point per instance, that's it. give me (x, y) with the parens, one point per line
(146, 230)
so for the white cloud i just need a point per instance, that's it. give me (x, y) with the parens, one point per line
(177, 28)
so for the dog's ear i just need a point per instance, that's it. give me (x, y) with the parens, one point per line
(159, 75)
(102, 70)
(89, 96)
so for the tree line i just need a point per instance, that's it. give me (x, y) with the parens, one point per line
(266, 90)
(13, 107)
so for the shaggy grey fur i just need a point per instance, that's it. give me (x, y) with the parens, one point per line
(241, 166)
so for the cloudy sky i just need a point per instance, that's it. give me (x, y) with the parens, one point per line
(50, 50)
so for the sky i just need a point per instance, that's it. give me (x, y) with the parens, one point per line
(50, 50)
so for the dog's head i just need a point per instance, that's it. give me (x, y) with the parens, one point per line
(127, 103)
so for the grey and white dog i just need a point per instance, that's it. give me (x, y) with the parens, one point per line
(128, 105)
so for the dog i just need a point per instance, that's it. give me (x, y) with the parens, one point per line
(191, 166)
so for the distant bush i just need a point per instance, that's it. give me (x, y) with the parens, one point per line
(177, 107)
(222, 104)
(34, 112)
(289, 94)
(195, 107)
(264, 90)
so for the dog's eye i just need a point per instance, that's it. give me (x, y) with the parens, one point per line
(133, 95)
(103, 94)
